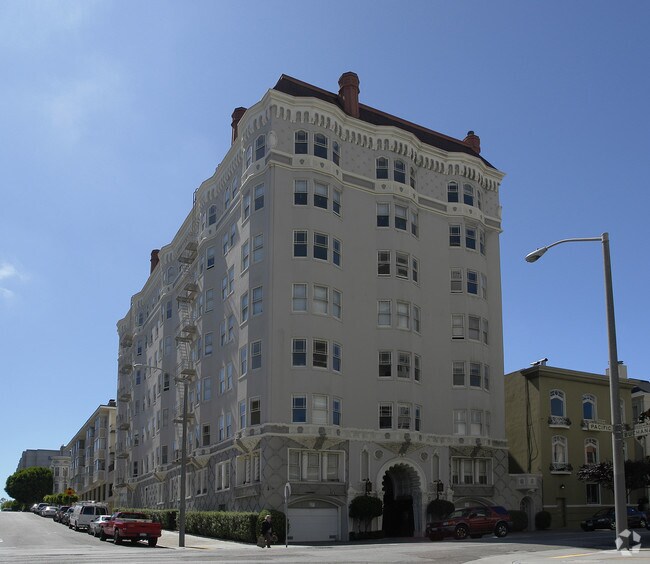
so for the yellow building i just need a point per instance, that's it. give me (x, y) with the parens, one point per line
(550, 417)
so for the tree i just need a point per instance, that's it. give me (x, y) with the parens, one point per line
(30, 485)
(365, 508)
(637, 474)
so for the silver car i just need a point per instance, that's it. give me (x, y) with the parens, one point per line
(49, 511)
(95, 526)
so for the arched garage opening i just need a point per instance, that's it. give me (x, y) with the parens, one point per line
(402, 501)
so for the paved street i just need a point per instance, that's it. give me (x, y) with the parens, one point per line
(28, 538)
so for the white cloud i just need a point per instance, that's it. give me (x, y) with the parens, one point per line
(8, 273)
(7, 270)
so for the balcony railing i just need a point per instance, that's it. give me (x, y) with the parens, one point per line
(560, 468)
(559, 421)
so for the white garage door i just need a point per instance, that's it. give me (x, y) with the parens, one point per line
(317, 524)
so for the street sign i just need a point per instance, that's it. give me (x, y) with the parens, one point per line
(597, 426)
(642, 429)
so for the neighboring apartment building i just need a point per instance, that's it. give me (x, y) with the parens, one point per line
(548, 411)
(641, 417)
(92, 456)
(56, 460)
(60, 466)
(36, 457)
(333, 300)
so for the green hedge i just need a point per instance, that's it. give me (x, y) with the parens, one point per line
(542, 520)
(519, 520)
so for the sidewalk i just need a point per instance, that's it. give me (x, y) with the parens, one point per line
(169, 539)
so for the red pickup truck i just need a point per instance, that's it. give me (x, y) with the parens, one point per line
(132, 526)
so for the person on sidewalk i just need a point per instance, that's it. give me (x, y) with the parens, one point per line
(267, 531)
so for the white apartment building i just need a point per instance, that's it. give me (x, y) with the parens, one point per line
(333, 299)
(92, 456)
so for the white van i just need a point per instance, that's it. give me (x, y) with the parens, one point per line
(84, 512)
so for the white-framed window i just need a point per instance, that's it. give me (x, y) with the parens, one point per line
(299, 409)
(381, 168)
(452, 192)
(299, 352)
(460, 421)
(415, 224)
(403, 315)
(245, 255)
(471, 471)
(336, 252)
(473, 327)
(476, 423)
(384, 313)
(402, 265)
(401, 217)
(336, 411)
(418, 417)
(336, 201)
(222, 427)
(454, 235)
(417, 367)
(486, 377)
(222, 476)
(299, 297)
(231, 328)
(481, 241)
(300, 243)
(385, 364)
(212, 215)
(403, 364)
(383, 263)
(260, 147)
(336, 304)
(591, 451)
(557, 403)
(256, 354)
(457, 326)
(321, 246)
(456, 280)
(259, 197)
(559, 450)
(321, 300)
(321, 195)
(320, 353)
(470, 237)
(403, 416)
(300, 192)
(385, 415)
(475, 374)
(412, 177)
(336, 357)
(242, 414)
(222, 380)
(205, 434)
(320, 145)
(472, 282)
(458, 373)
(249, 156)
(243, 360)
(248, 468)
(399, 171)
(336, 153)
(246, 206)
(383, 214)
(258, 296)
(319, 409)
(207, 341)
(244, 308)
(209, 257)
(255, 408)
(589, 407)
(416, 319)
(207, 389)
(301, 143)
(468, 194)
(209, 299)
(315, 466)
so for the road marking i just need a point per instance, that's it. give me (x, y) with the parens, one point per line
(571, 555)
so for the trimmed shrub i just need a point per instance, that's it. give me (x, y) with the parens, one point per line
(519, 520)
(439, 508)
(228, 525)
(365, 508)
(542, 520)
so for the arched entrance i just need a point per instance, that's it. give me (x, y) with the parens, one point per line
(402, 501)
(526, 505)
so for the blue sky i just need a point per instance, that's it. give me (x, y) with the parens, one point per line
(112, 113)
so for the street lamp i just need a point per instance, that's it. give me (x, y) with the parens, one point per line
(181, 503)
(620, 510)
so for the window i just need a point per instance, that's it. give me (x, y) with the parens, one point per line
(208, 344)
(244, 308)
(481, 240)
(222, 332)
(382, 168)
(385, 415)
(299, 352)
(222, 380)
(260, 147)
(321, 299)
(456, 280)
(486, 377)
(412, 177)
(222, 476)
(468, 194)
(403, 365)
(470, 237)
(259, 197)
(336, 304)
(559, 450)
(209, 299)
(403, 416)
(222, 428)
(256, 354)
(475, 374)
(454, 235)
(588, 406)
(300, 192)
(209, 257)
(415, 230)
(336, 411)
(242, 414)
(385, 364)
(320, 353)
(484, 327)
(592, 492)
(452, 192)
(401, 217)
(383, 313)
(399, 171)
(231, 280)
(476, 423)
(300, 243)
(246, 206)
(457, 326)
(383, 263)
(257, 300)
(336, 202)
(256, 411)
(165, 382)
(224, 287)
(320, 145)
(336, 153)
(321, 245)
(299, 297)
(299, 409)
(383, 215)
(472, 282)
(243, 360)
(205, 435)
(458, 377)
(249, 156)
(484, 286)
(336, 357)
(403, 315)
(460, 422)
(591, 451)
(301, 143)
(418, 418)
(319, 409)
(336, 252)
(474, 327)
(315, 466)
(471, 471)
(321, 195)
(557, 403)
(245, 255)
(248, 468)
(415, 270)
(416, 319)
(402, 265)
(417, 367)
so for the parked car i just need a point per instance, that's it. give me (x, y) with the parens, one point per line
(60, 512)
(49, 510)
(84, 512)
(34, 508)
(96, 524)
(65, 518)
(473, 522)
(39, 507)
(126, 525)
(606, 519)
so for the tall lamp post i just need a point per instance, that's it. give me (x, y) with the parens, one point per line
(620, 509)
(181, 503)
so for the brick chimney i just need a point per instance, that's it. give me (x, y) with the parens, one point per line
(349, 93)
(474, 141)
(154, 259)
(236, 116)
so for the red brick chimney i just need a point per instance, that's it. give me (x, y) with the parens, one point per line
(349, 93)
(474, 141)
(154, 259)
(236, 116)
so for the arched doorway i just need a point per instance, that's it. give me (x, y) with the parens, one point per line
(526, 505)
(402, 501)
